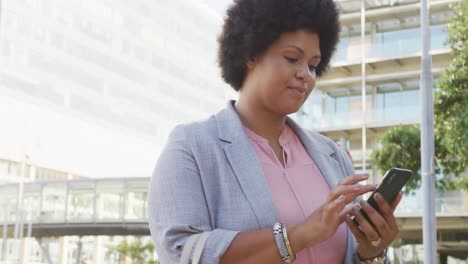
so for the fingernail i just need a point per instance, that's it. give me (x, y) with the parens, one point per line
(377, 195)
(341, 197)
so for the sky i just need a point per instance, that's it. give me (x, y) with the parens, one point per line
(219, 5)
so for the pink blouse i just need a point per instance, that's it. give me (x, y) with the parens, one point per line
(298, 189)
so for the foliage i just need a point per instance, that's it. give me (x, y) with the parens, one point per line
(451, 101)
(137, 251)
(400, 146)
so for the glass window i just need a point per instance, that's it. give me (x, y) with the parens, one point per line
(342, 104)
(330, 104)
(392, 100)
(410, 98)
(80, 201)
(135, 207)
(438, 37)
(53, 202)
(32, 202)
(380, 101)
(8, 203)
(109, 200)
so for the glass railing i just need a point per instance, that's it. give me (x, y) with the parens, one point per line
(356, 154)
(389, 44)
(90, 201)
(335, 120)
(445, 206)
(374, 117)
(124, 200)
(405, 114)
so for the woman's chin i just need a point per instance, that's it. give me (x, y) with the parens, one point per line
(291, 110)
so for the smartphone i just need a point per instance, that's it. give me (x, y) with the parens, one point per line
(392, 183)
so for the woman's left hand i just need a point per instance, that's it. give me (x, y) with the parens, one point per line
(373, 238)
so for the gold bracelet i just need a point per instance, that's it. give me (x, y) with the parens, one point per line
(288, 245)
(376, 260)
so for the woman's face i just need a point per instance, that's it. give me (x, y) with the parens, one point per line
(281, 79)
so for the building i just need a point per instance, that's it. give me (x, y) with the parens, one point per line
(373, 85)
(92, 88)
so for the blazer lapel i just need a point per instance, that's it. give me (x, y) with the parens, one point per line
(246, 166)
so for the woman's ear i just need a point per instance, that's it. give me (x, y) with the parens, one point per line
(251, 64)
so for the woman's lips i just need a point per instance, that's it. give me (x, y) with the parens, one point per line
(298, 91)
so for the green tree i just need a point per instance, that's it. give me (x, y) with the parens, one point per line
(400, 146)
(451, 100)
(137, 251)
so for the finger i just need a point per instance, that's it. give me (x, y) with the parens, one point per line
(355, 230)
(385, 210)
(352, 191)
(353, 179)
(379, 222)
(347, 210)
(358, 191)
(384, 207)
(334, 208)
(367, 229)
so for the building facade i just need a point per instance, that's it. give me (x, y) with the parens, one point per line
(92, 88)
(373, 84)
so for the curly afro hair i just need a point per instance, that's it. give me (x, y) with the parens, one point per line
(251, 26)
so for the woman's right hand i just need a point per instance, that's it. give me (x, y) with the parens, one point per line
(324, 222)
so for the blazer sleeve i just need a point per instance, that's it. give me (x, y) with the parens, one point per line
(177, 206)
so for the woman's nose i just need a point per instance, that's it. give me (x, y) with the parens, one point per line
(304, 73)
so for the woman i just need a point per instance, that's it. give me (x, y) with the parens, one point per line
(266, 190)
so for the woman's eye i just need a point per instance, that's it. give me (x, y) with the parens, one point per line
(312, 68)
(290, 59)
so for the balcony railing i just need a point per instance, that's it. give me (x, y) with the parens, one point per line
(445, 206)
(383, 45)
(374, 117)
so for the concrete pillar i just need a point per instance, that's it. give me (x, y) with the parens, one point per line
(4, 237)
(78, 251)
(415, 254)
(98, 248)
(63, 242)
(397, 255)
(24, 257)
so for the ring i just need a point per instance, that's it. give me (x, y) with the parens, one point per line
(375, 243)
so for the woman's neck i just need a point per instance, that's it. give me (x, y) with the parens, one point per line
(260, 120)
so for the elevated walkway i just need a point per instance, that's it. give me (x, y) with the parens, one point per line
(118, 207)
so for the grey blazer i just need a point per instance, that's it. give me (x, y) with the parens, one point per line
(208, 178)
